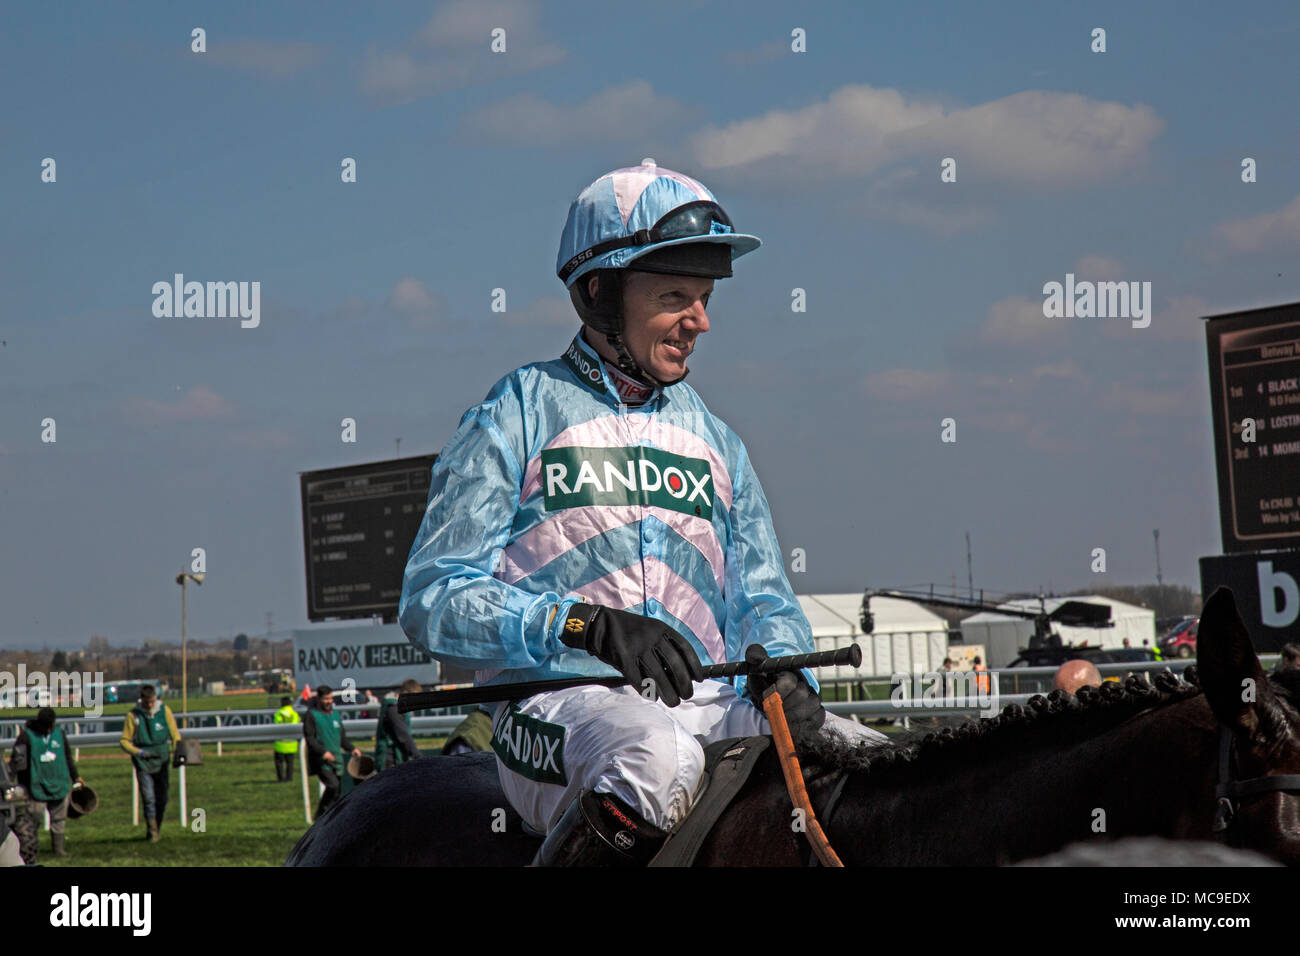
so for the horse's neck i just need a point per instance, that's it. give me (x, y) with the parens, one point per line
(1152, 774)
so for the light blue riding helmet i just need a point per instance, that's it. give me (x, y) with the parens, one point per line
(649, 219)
(638, 210)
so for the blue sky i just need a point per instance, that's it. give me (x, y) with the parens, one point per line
(924, 298)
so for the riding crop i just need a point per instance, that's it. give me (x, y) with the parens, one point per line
(789, 758)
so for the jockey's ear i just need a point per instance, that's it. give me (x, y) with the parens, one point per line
(1234, 683)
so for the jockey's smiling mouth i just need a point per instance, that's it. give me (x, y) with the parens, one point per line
(664, 317)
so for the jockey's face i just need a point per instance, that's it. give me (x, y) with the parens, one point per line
(663, 315)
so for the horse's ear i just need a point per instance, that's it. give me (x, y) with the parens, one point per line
(1234, 683)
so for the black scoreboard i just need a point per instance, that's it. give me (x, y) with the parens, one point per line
(1254, 360)
(358, 524)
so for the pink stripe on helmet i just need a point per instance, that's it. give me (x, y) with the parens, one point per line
(631, 181)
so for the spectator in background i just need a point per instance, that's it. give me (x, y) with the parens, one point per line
(981, 675)
(286, 751)
(148, 736)
(1072, 675)
(42, 763)
(326, 739)
(371, 705)
(471, 734)
(393, 741)
(1290, 658)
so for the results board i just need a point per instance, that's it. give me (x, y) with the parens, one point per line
(358, 524)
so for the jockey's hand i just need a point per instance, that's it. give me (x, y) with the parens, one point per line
(804, 713)
(639, 647)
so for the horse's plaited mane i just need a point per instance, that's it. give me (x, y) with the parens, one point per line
(1065, 717)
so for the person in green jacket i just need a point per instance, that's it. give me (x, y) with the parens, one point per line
(148, 736)
(285, 750)
(42, 762)
(326, 739)
(472, 734)
(393, 741)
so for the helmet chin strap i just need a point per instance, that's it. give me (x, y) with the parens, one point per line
(629, 366)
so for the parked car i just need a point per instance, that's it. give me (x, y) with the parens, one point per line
(1056, 656)
(1181, 641)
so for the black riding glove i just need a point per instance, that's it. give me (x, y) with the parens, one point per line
(804, 713)
(638, 647)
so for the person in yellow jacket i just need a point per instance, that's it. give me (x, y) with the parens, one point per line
(285, 750)
(148, 736)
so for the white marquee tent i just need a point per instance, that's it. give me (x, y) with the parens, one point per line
(907, 639)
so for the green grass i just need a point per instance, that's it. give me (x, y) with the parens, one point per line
(251, 819)
(228, 702)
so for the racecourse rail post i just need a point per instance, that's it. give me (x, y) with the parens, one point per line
(184, 815)
(850, 656)
(135, 795)
(306, 787)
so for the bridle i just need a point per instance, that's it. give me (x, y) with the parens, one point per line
(1230, 790)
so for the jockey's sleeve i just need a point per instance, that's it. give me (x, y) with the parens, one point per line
(451, 605)
(761, 605)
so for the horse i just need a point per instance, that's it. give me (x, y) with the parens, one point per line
(1215, 756)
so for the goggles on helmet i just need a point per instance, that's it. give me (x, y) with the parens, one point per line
(692, 219)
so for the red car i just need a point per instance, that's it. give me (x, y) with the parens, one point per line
(1181, 641)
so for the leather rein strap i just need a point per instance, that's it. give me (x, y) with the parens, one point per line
(1230, 789)
(785, 752)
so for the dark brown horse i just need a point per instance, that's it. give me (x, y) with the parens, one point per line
(1131, 760)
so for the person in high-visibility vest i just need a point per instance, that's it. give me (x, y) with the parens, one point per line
(981, 676)
(285, 750)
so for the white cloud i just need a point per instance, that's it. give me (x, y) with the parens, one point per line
(1098, 268)
(905, 384)
(767, 53)
(844, 135)
(411, 295)
(1040, 136)
(1066, 369)
(1037, 136)
(453, 50)
(601, 118)
(1263, 231)
(1151, 401)
(268, 59)
(551, 310)
(1019, 321)
(198, 403)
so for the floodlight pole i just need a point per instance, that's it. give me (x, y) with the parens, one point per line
(185, 684)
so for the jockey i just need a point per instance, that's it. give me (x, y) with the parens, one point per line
(591, 517)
